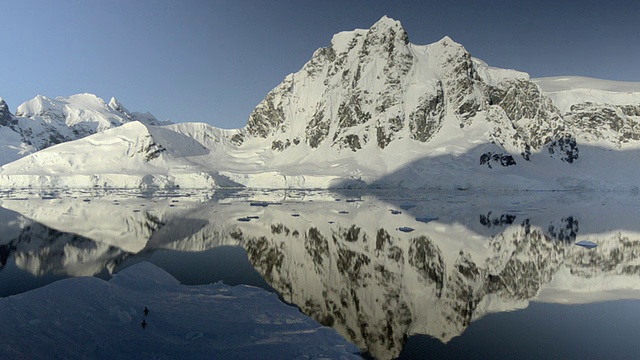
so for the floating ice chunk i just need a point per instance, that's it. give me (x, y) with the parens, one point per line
(587, 244)
(426, 218)
(260, 203)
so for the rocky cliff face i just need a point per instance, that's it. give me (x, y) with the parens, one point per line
(6, 118)
(373, 87)
(616, 124)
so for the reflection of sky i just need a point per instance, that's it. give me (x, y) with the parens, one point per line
(213, 61)
(606, 330)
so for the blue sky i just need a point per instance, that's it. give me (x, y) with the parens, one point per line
(213, 61)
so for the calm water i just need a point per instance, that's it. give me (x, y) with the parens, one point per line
(409, 275)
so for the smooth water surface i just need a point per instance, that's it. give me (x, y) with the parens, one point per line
(438, 275)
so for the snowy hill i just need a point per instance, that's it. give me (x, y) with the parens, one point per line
(375, 110)
(42, 122)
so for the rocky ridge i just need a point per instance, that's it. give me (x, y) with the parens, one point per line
(373, 87)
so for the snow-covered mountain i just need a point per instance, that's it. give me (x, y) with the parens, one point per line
(354, 264)
(373, 109)
(42, 122)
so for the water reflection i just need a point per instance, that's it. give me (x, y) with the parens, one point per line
(344, 259)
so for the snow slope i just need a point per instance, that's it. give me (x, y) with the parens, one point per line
(91, 318)
(131, 155)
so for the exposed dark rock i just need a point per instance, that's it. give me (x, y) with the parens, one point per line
(427, 119)
(317, 246)
(151, 150)
(237, 139)
(267, 117)
(492, 221)
(490, 158)
(353, 142)
(318, 128)
(428, 261)
(599, 120)
(278, 145)
(566, 231)
(6, 118)
(565, 147)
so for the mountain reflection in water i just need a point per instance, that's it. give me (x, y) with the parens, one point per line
(343, 258)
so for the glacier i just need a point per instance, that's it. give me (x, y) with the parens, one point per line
(372, 110)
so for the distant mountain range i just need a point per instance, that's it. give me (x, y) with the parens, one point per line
(42, 122)
(371, 110)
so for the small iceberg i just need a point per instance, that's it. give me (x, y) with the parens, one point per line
(407, 206)
(263, 203)
(587, 244)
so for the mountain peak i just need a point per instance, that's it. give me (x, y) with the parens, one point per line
(446, 49)
(387, 22)
(117, 106)
(5, 115)
(33, 107)
(387, 26)
(447, 42)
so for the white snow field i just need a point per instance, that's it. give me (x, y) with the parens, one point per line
(89, 318)
(570, 90)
